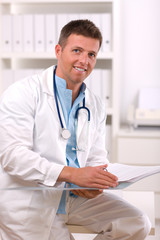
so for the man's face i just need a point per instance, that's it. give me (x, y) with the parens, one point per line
(77, 59)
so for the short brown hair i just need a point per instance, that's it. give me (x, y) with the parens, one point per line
(82, 27)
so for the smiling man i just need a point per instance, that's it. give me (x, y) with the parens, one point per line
(52, 134)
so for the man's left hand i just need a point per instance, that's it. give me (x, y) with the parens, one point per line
(87, 193)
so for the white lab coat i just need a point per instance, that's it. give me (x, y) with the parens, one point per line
(32, 152)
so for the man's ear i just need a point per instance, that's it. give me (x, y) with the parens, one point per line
(58, 50)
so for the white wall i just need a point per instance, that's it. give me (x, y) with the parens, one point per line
(140, 49)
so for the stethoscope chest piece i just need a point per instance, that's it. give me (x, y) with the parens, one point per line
(65, 133)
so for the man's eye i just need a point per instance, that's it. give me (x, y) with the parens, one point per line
(76, 50)
(92, 55)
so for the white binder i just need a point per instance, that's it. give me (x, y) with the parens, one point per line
(39, 30)
(88, 81)
(50, 27)
(97, 20)
(106, 86)
(7, 78)
(62, 19)
(85, 16)
(28, 33)
(19, 74)
(73, 16)
(17, 33)
(108, 139)
(7, 32)
(106, 32)
(96, 82)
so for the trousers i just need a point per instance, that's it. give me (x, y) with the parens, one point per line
(108, 215)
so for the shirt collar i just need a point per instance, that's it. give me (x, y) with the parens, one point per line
(60, 82)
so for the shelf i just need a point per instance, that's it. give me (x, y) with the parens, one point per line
(54, 1)
(44, 55)
(147, 132)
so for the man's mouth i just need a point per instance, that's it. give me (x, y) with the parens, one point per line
(80, 69)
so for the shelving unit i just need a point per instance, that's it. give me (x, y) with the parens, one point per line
(19, 60)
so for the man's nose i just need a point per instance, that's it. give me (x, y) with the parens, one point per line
(84, 58)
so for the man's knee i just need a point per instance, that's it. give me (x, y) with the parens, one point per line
(144, 225)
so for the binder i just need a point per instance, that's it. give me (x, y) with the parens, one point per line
(19, 74)
(39, 30)
(7, 78)
(7, 32)
(106, 32)
(85, 16)
(50, 28)
(88, 81)
(17, 33)
(28, 45)
(62, 19)
(73, 16)
(96, 82)
(106, 87)
(97, 20)
(108, 139)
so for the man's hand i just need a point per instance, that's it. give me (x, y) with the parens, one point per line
(87, 193)
(91, 177)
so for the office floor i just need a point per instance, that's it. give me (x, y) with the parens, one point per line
(91, 236)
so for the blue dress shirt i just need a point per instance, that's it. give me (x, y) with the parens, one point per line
(65, 99)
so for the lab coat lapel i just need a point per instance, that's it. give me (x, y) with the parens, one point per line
(47, 86)
(48, 89)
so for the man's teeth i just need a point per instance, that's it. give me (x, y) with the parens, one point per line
(80, 69)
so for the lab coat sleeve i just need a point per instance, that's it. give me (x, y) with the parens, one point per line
(98, 153)
(17, 110)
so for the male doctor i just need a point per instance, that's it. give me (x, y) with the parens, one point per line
(46, 141)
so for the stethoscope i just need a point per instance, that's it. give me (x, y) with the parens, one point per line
(65, 133)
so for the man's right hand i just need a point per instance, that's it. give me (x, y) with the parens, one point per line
(91, 177)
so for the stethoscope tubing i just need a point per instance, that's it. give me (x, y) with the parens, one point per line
(57, 106)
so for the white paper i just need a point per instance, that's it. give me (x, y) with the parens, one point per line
(128, 174)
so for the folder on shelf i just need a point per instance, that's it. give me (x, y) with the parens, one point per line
(17, 33)
(108, 139)
(62, 20)
(7, 32)
(106, 32)
(7, 78)
(96, 84)
(39, 29)
(96, 19)
(28, 45)
(73, 16)
(19, 74)
(50, 28)
(106, 87)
